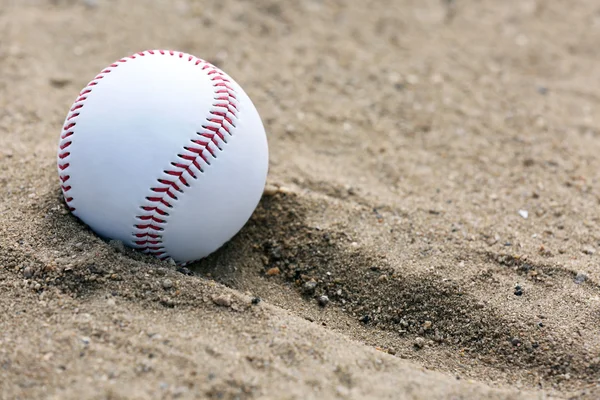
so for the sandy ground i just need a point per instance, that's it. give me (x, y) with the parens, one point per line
(433, 169)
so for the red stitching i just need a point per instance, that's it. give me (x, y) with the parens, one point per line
(223, 117)
(74, 112)
(222, 122)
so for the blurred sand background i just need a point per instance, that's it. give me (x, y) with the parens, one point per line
(434, 169)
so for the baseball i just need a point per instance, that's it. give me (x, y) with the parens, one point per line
(164, 152)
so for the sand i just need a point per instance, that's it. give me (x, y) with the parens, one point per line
(433, 173)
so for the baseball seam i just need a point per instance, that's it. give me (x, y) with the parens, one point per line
(192, 159)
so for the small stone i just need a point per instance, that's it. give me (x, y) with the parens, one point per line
(223, 300)
(580, 278)
(518, 290)
(309, 287)
(28, 272)
(515, 342)
(365, 319)
(60, 81)
(167, 284)
(255, 300)
(419, 343)
(524, 213)
(427, 325)
(270, 190)
(285, 190)
(273, 271)
(323, 300)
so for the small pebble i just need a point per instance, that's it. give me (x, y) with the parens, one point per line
(419, 343)
(255, 300)
(223, 300)
(524, 213)
(580, 278)
(270, 190)
(518, 290)
(167, 284)
(365, 319)
(273, 271)
(28, 272)
(309, 287)
(528, 162)
(427, 325)
(323, 300)
(60, 81)
(515, 341)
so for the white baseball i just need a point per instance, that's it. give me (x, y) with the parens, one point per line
(164, 152)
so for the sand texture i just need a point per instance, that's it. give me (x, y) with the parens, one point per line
(434, 173)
